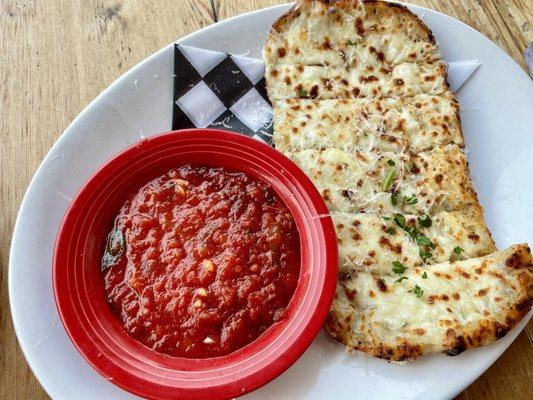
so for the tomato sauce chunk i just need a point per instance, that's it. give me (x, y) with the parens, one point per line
(201, 261)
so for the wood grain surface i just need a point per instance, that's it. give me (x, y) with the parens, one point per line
(59, 54)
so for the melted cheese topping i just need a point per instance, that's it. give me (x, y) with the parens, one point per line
(380, 124)
(362, 105)
(368, 242)
(319, 82)
(355, 181)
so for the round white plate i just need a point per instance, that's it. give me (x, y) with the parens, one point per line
(496, 101)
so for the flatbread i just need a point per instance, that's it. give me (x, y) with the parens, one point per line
(458, 305)
(361, 103)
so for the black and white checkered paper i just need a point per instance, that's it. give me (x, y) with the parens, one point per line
(226, 91)
(223, 91)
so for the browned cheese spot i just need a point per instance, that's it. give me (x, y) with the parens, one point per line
(474, 237)
(398, 82)
(313, 93)
(381, 285)
(350, 293)
(385, 242)
(513, 261)
(359, 26)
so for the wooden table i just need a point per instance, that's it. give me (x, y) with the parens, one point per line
(59, 54)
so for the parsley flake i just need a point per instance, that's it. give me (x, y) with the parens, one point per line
(411, 200)
(416, 290)
(426, 222)
(423, 240)
(400, 220)
(425, 255)
(398, 267)
(457, 250)
(391, 163)
(394, 198)
(303, 93)
(424, 275)
(400, 279)
(350, 43)
(390, 230)
(387, 183)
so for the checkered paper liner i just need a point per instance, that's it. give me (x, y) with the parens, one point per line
(219, 90)
(226, 91)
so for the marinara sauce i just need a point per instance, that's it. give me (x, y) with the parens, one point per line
(201, 261)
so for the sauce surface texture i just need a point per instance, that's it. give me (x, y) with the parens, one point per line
(201, 261)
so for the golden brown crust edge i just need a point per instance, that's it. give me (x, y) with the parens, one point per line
(277, 26)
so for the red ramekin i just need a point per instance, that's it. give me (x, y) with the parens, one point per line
(78, 283)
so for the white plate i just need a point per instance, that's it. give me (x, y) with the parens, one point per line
(496, 101)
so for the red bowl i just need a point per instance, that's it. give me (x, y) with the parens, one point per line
(96, 332)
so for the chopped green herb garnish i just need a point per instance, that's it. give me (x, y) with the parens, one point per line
(423, 240)
(401, 278)
(391, 163)
(387, 183)
(398, 267)
(457, 250)
(417, 291)
(350, 43)
(411, 200)
(391, 230)
(400, 220)
(387, 218)
(425, 255)
(426, 222)
(424, 275)
(303, 93)
(394, 198)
